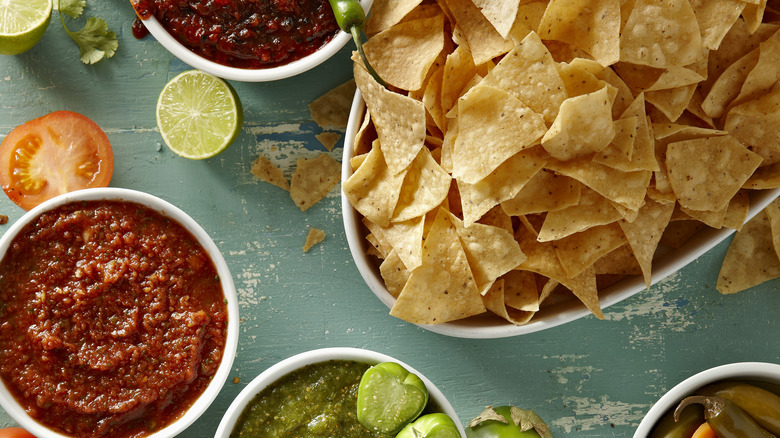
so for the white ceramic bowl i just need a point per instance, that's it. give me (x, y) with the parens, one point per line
(747, 371)
(9, 403)
(290, 364)
(490, 326)
(249, 75)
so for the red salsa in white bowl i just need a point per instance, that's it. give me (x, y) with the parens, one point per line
(118, 317)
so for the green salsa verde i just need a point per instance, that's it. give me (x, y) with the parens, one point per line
(318, 400)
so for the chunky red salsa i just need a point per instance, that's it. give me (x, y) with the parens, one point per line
(245, 33)
(112, 319)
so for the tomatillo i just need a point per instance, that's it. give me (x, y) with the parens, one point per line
(507, 422)
(389, 397)
(436, 425)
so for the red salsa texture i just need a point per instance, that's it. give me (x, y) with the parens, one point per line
(249, 34)
(112, 319)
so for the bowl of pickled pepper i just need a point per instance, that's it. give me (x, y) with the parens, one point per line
(732, 401)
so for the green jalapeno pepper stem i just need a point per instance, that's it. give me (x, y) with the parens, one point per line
(762, 405)
(682, 427)
(350, 18)
(724, 417)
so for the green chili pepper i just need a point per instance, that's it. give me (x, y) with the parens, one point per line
(350, 18)
(762, 405)
(726, 418)
(683, 427)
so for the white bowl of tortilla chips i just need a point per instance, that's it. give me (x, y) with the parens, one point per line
(575, 153)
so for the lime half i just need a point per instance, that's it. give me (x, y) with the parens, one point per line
(22, 24)
(199, 115)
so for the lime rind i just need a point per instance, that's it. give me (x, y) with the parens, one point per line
(22, 24)
(199, 115)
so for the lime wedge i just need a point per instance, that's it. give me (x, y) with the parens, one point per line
(199, 115)
(22, 24)
(389, 397)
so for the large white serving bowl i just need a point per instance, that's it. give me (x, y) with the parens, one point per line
(15, 410)
(244, 74)
(286, 366)
(489, 326)
(743, 371)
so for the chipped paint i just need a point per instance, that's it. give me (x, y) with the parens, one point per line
(591, 413)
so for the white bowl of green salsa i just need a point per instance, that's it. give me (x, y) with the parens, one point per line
(311, 410)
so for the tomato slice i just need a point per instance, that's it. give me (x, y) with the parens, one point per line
(58, 153)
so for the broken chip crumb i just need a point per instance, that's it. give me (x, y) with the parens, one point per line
(236, 380)
(3, 219)
(328, 139)
(332, 108)
(265, 170)
(314, 237)
(313, 179)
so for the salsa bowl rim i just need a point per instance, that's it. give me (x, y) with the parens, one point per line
(204, 400)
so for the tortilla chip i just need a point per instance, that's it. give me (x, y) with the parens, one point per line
(773, 213)
(679, 232)
(484, 41)
(737, 210)
(546, 191)
(716, 17)
(529, 16)
(645, 232)
(394, 273)
(314, 237)
(592, 210)
(753, 13)
(748, 123)
(328, 139)
(386, 13)
(522, 291)
(459, 69)
(580, 251)
(620, 261)
(406, 238)
(425, 186)
(399, 120)
(751, 258)
(500, 14)
(403, 53)
(313, 179)
(591, 25)
(661, 34)
(266, 171)
(706, 173)
(500, 185)
(488, 132)
(442, 289)
(331, 110)
(671, 102)
(529, 73)
(373, 190)
(765, 177)
(583, 126)
(625, 188)
(491, 251)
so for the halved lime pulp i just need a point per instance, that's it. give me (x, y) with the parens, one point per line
(199, 115)
(22, 24)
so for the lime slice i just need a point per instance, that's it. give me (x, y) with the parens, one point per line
(389, 397)
(22, 24)
(199, 115)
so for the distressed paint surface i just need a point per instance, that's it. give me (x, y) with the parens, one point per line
(588, 378)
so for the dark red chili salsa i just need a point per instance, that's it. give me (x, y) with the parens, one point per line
(112, 319)
(245, 33)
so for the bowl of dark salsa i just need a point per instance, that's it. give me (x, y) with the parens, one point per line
(314, 394)
(244, 40)
(118, 317)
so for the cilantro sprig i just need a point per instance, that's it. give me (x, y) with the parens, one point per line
(95, 41)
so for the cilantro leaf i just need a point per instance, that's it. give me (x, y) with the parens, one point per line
(95, 41)
(74, 8)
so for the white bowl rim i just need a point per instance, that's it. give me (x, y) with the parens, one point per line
(244, 74)
(662, 267)
(755, 371)
(12, 407)
(284, 367)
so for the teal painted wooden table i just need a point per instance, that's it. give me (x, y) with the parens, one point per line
(588, 378)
